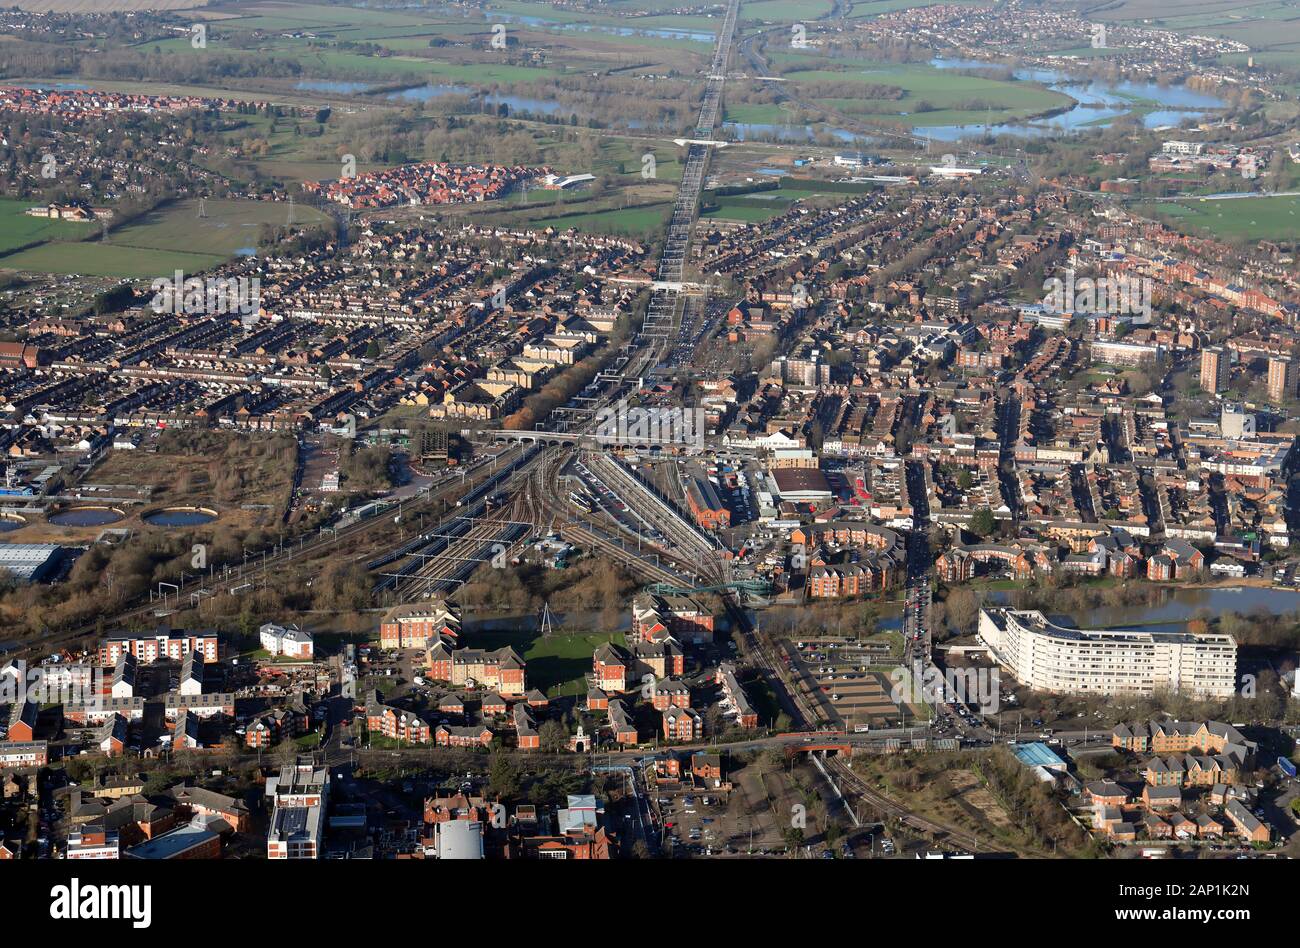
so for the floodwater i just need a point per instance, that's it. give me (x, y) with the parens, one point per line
(1177, 606)
(1097, 103)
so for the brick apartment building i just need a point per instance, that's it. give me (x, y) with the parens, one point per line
(418, 625)
(502, 670)
(684, 618)
(164, 643)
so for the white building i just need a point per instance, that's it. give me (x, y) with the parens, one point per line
(92, 843)
(288, 640)
(298, 819)
(1053, 658)
(191, 681)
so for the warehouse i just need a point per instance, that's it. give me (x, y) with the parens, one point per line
(31, 562)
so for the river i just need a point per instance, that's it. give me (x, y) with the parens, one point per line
(1177, 605)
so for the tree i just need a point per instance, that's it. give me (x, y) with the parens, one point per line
(962, 609)
(503, 776)
(982, 523)
(553, 737)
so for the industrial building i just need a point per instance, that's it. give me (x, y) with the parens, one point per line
(31, 562)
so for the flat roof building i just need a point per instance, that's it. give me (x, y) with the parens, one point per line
(30, 562)
(1050, 657)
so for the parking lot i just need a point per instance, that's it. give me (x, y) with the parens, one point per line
(850, 680)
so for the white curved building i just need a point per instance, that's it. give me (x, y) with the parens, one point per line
(1049, 657)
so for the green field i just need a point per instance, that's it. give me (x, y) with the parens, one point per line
(18, 230)
(754, 207)
(785, 11)
(98, 259)
(1261, 218)
(633, 222)
(557, 665)
(229, 226)
(931, 96)
(167, 239)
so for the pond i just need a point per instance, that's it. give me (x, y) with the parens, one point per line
(180, 517)
(86, 517)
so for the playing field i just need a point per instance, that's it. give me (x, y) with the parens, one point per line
(758, 206)
(107, 260)
(171, 238)
(634, 222)
(17, 229)
(1256, 218)
(227, 227)
(557, 665)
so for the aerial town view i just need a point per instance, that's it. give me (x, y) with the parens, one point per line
(747, 430)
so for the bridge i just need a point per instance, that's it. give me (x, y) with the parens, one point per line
(838, 749)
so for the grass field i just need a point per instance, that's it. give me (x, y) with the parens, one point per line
(754, 207)
(1261, 218)
(785, 11)
(168, 239)
(19, 230)
(931, 96)
(228, 227)
(1270, 27)
(107, 260)
(634, 222)
(557, 665)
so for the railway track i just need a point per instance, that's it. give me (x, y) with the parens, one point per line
(852, 781)
(483, 541)
(283, 562)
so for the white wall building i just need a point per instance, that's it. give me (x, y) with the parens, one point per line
(1053, 658)
(288, 640)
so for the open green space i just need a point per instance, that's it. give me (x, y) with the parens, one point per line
(929, 96)
(785, 10)
(633, 222)
(18, 229)
(99, 259)
(226, 228)
(557, 665)
(1255, 218)
(172, 237)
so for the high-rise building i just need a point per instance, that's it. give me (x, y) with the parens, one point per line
(1214, 369)
(1281, 379)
